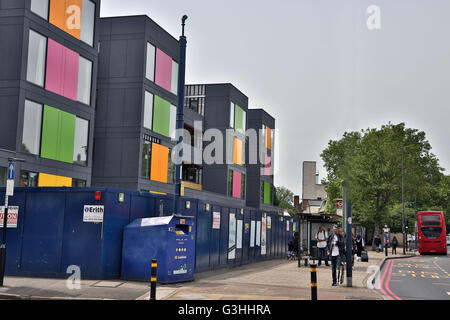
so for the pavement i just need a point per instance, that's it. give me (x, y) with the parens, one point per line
(425, 277)
(266, 280)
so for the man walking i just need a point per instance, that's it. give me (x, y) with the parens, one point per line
(336, 248)
(321, 238)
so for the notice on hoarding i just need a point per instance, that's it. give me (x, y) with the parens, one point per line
(252, 234)
(216, 220)
(269, 222)
(287, 225)
(239, 235)
(93, 214)
(263, 235)
(258, 233)
(232, 237)
(13, 216)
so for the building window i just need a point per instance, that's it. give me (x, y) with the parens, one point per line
(195, 98)
(32, 122)
(28, 179)
(87, 22)
(243, 186)
(146, 159)
(40, 7)
(148, 110)
(192, 173)
(151, 55)
(81, 141)
(77, 183)
(232, 115)
(84, 80)
(174, 85)
(240, 119)
(37, 48)
(3, 174)
(170, 168)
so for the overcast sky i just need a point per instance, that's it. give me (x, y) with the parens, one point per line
(315, 66)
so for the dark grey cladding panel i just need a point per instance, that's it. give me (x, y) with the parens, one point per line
(8, 121)
(11, 54)
(12, 4)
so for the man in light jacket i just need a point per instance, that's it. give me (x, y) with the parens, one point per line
(321, 238)
(336, 251)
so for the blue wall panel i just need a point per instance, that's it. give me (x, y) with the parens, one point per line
(43, 233)
(214, 241)
(203, 239)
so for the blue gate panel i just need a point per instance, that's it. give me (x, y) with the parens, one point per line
(203, 239)
(43, 233)
(82, 245)
(224, 220)
(215, 240)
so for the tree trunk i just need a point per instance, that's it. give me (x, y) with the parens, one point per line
(376, 232)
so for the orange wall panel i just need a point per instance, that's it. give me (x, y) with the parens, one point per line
(237, 151)
(66, 15)
(160, 163)
(268, 138)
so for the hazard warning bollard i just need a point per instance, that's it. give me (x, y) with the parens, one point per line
(313, 269)
(153, 280)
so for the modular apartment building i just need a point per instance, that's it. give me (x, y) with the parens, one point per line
(224, 108)
(260, 189)
(136, 107)
(48, 63)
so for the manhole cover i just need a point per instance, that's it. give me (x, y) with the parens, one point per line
(107, 284)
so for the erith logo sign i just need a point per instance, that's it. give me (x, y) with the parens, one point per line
(93, 214)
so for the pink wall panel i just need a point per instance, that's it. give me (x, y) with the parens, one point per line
(62, 70)
(267, 166)
(70, 84)
(55, 67)
(237, 179)
(163, 72)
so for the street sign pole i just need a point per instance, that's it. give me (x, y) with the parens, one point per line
(347, 223)
(9, 192)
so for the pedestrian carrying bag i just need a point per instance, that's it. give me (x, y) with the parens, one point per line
(364, 256)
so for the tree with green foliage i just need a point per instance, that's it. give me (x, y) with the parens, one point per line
(370, 162)
(284, 198)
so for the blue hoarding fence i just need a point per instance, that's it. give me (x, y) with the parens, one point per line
(54, 232)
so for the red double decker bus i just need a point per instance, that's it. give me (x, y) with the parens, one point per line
(432, 233)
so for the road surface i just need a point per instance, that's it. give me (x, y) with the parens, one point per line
(423, 277)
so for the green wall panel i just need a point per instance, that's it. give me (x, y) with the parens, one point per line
(50, 133)
(238, 118)
(161, 116)
(66, 137)
(58, 135)
(267, 195)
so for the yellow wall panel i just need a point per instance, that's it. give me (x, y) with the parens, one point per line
(160, 163)
(66, 15)
(50, 180)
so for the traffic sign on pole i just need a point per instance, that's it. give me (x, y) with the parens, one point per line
(11, 169)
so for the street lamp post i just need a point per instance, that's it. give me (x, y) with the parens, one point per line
(403, 192)
(180, 117)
